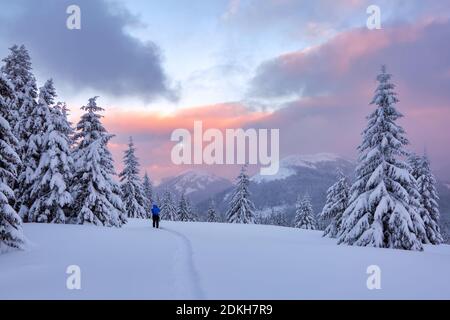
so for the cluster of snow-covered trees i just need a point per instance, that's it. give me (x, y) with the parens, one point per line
(393, 200)
(51, 172)
(181, 210)
(391, 204)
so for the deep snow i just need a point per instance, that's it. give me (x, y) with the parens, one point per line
(213, 261)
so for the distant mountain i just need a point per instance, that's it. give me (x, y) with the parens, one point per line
(197, 185)
(298, 175)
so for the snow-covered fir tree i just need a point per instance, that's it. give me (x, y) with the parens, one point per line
(97, 196)
(192, 210)
(184, 210)
(241, 208)
(148, 194)
(382, 208)
(211, 216)
(429, 208)
(304, 214)
(18, 70)
(336, 204)
(51, 180)
(132, 190)
(11, 234)
(277, 218)
(168, 209)
(32, 152)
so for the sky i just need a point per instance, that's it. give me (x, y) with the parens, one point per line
(305, 67)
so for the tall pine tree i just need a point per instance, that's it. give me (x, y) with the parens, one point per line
(212, 215)
(52, 178)
(168, 209)
(132, 190)
(148, 194)
(18, 70)
(11, 234)
(429, 208)
(97, 196)
(304, 214)
(241, 208)
(32, 153)
(382, 211)
(337, 202)
(184, 210)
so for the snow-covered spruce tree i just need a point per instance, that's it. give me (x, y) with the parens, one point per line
(148, 194)
(97, 197)
(192, 211)
(382, 208)
(168, 209)
(241, 208)
(429, 208)
(132, 190)
(211, 216)
(277, 218)
(184, 210)
(304, 215)
(32, 151)
(11, 234)
(52, 178)
(337, 202)
(17, 69)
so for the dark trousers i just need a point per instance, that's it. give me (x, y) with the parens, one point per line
(155, 221)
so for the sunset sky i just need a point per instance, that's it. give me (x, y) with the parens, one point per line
(305, 67)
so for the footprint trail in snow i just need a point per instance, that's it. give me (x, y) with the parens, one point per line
(187, 280)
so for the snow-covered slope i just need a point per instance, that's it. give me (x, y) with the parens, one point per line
(213, 261)
(197, 185)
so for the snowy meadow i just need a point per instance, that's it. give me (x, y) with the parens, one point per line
(102, 201)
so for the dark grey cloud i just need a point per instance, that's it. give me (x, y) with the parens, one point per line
(101, 56)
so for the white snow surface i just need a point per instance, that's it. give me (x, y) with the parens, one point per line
(213, 261)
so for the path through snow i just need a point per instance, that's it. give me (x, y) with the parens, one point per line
(187, 280)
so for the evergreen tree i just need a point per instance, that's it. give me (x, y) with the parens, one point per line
(184, 210)
(51, 180)
(304, 215)
(11, 234)
(277, 218)
(132, 190)
(337, 202)
(32, 152)
(17, 69)
(148, 194)
(192, 211)
(382, 208)
(97, 196)
(429, 208)
(212, 215)
(168, 208)
(241, 208)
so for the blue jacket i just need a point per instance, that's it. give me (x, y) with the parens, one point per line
(155, 210)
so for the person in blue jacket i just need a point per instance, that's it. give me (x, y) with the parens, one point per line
(155, 215)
